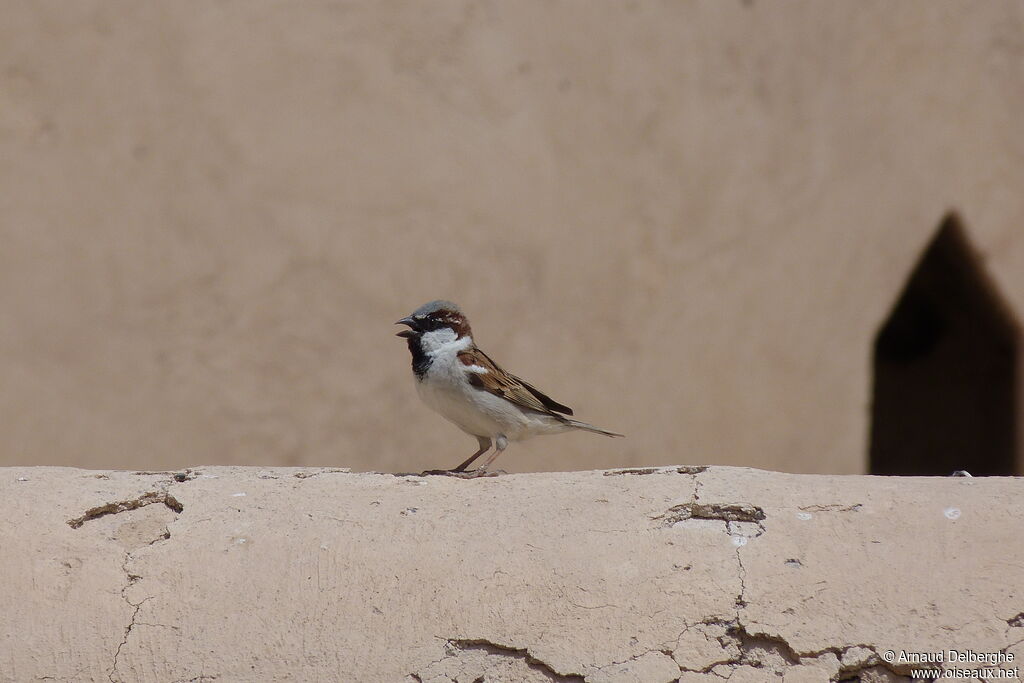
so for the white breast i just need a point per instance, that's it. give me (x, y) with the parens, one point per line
(445, 388)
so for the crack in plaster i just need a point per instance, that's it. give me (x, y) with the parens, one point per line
(850, 661)
(737, 638)
(1011, 645)
(668, 652)
(136, 606)
(132, 579)
(832, 507)
(741, 599)
(118, 507)
(756, 650)
(849, 665)
(519, 653)
(455, 646)
(724, 512)
(682, 469)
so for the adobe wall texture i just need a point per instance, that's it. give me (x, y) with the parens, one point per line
(676, 573)
(685, 220)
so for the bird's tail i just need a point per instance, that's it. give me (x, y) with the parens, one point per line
(590, 428)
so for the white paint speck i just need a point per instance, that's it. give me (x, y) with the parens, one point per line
(238, 495)
(240, 541)
(22, 478)
(323, 547)
(952, 513)
(804, 516)
(739, 541)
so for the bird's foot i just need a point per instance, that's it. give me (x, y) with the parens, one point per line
(471, 474)
(477, 473)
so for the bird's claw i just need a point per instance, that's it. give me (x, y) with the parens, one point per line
(471, 474)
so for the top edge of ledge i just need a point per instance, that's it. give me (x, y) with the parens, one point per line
(300, 472)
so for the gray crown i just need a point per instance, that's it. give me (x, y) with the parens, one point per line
(434, 306)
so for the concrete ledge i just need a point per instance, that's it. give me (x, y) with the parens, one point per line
(691, 574)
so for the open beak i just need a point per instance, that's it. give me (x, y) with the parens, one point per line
(407, 333)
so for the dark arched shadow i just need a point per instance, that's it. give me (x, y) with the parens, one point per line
(945, 369)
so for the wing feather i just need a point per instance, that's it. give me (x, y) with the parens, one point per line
(508, 386)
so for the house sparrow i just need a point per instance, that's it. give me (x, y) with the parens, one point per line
(459, 381)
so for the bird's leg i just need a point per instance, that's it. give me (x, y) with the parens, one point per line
(485, 445)
(500, 443)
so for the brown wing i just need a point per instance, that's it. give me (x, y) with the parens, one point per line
(508, 386)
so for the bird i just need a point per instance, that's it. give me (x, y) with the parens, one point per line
(455, 378)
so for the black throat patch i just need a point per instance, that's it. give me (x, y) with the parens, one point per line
(420, 360)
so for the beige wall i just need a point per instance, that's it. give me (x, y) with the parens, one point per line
(686, 220)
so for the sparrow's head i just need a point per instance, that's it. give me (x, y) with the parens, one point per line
(433, 327)
(439, 316)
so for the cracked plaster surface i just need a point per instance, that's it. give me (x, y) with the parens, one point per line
(653, 574)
